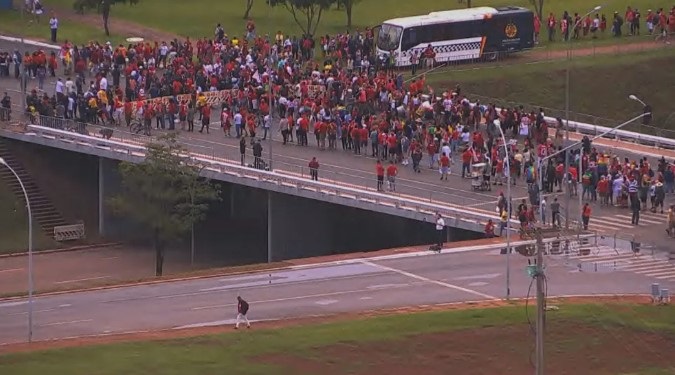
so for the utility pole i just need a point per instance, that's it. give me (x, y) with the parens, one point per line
(541, 303)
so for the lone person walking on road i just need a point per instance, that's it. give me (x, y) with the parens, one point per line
(635, 206)
(242, 310)
(555, 213)
(314, 169)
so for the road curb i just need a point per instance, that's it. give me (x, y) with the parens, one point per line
(30, 42)
(64, 250)
(479, 304)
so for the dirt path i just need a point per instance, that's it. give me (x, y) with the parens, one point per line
(116, 25)
(126, 28)
(168, 334)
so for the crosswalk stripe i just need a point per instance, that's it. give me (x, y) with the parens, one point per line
(655, 268)
(662, 273)
(642, 219)
(635, 266)
(628, 263)
(611, 224)
(665, 277)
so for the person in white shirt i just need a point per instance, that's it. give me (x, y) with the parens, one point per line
(103, 84)
(440, 231)
(53, 26)
(60, 90)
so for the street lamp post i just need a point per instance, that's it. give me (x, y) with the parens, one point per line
(270, 99)
(567, 74)
(30, 251)
(567, 101)
(576, 144)
(507, 168)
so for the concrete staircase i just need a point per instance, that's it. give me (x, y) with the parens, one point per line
(44, 212)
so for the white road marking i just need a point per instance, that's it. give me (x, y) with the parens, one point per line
(478, 277)
(326, 302)
(661, 273)
(365, 298)
(11, 304)
(385, 286)
(422, 278)
(220, 323)
(318, 295)
(478, 283)
(11, 270)
(65, 305)
(26, 312)
(78, 280)
(69, 322)
(110, 258)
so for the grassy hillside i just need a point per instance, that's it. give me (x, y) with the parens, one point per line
(599, 86)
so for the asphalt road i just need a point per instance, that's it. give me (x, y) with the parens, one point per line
(347, 168)
(353, 286)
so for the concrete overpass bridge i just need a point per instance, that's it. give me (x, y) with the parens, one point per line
(287, 190)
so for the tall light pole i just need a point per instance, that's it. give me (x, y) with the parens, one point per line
(567, 104)
(567, 74)
(30, 251)
(270, 99)
(507, 168)
(23, 81)
(576, 144)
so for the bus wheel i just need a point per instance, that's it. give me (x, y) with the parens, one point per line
(491, 56)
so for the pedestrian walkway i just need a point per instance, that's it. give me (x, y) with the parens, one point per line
(621, 223)
(608, 258)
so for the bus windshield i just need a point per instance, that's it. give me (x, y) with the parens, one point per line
(389, 37)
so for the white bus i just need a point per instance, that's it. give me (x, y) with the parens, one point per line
(464, 34)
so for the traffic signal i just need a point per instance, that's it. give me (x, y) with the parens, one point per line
(647, 119)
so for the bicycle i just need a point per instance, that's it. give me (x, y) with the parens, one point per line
(137, 127)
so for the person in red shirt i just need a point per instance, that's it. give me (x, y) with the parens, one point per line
(379, 170)
(206, 118)
(444, 163)
(466, 162)
(314, 169)
(392, 171)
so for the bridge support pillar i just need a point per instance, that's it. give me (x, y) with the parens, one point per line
(270, 237)
(101, 197)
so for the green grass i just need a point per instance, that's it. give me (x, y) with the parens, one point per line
(14, 225)
(245, 352)
(12, 24)
(599, 86)
(198, 17)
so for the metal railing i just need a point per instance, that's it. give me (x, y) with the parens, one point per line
(593, 125)
(455, 216)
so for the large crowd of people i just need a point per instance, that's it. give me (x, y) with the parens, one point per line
(343, 97)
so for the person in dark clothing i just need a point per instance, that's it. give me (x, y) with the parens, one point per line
(635, 207)
(314, 169)
(257, 155)
(242, 149)
(242, 310)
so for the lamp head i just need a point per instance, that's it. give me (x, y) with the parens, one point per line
(2, 161)
(632, 97)
(597, 8)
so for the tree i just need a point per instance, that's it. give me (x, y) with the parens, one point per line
(538, 7)
(103, 7)
(310, 10)
(348, 5)
(164, 193)
(249, 5)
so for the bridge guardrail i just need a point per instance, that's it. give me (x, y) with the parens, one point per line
(358, 178)
(224, 166)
